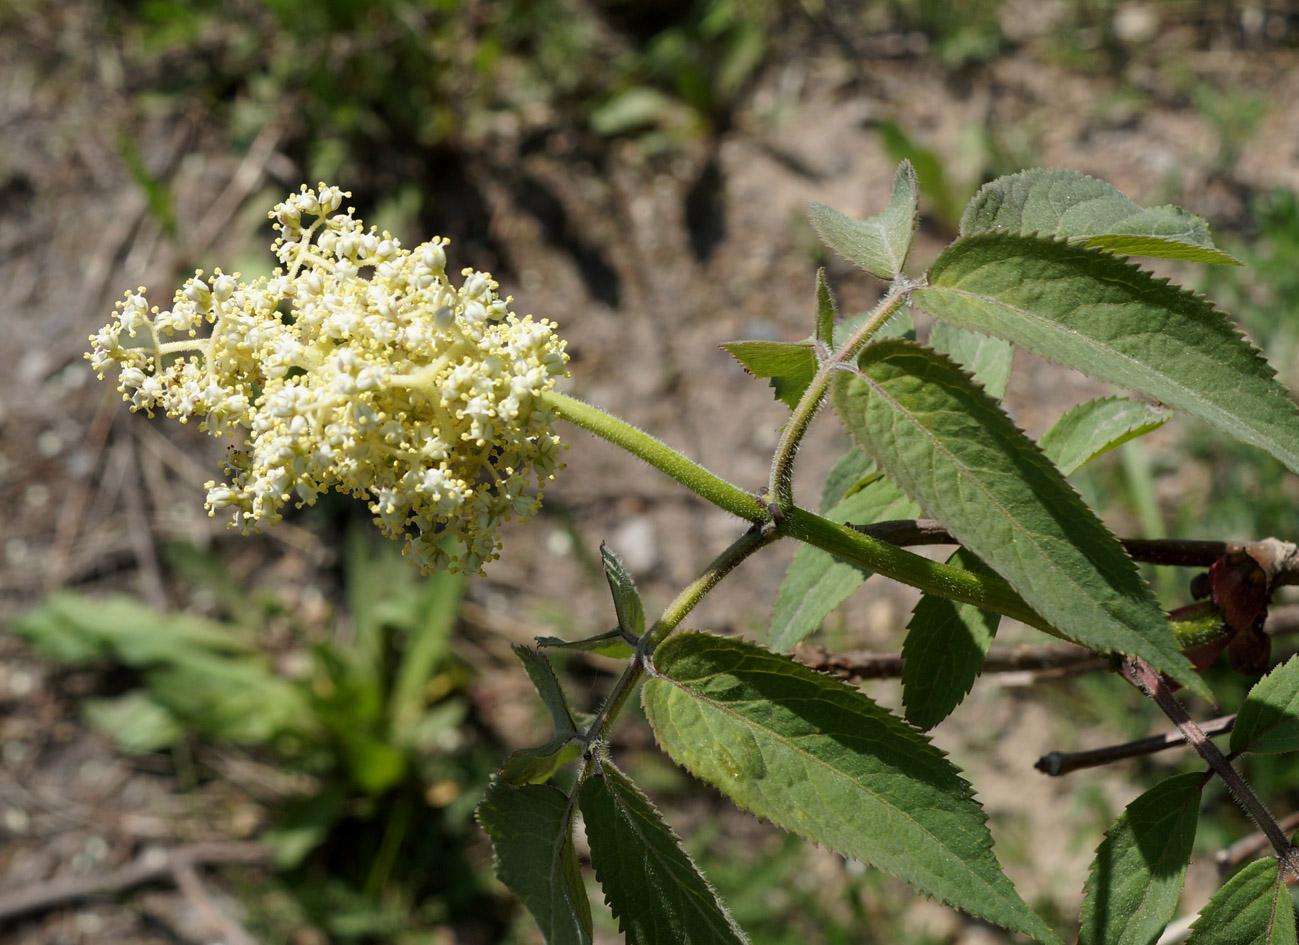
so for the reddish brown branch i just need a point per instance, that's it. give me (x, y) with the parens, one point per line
(1059, 763)
(861, 664)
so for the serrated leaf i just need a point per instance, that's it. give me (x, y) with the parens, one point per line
(817, 582)
(789, 366)
(626, 599)
(1058, 202)
(611, 643)
(536, 765)
(531, 828)
(1105, 317)
(1268, 721)
(826, 311)
(987, 359)
(819, 758)
(1137, 874)
(654, 889)
(1098, 426)
(954, 450)
(879, 245)
(944, 650)
(1252, 908)
(547, 685)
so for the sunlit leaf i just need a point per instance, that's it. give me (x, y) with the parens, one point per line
(1096, 427)
(880, 244)
(819, 758)
(826, 311)
(789, 366)
(1268, 721)
(626, 599)
(988, 359)
(1252, 908)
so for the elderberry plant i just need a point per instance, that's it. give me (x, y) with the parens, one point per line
(359, 367)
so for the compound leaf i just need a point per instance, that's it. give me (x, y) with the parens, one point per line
(1268, 721)
(649, 881)
(1137, 875)
(953, 450)
(1098, 426)
(879, 245)
(1252, 908)
(531, 828)
(944, 650)
(1058, 202)
(817, 582)
(819, 758)
(1108, 318)
(789, 366)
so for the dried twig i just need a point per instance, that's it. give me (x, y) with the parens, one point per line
(1058, 763)
(1228, 858)
(862, 664)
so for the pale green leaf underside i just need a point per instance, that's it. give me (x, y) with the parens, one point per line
(788, 366)
(1098, 426)
(532, 835)
(953, 449)
(817, 582)
(944, 650)
(1136, 877)
(1058, 202)
(1108, 318)
(1252, 908)
(650, 883)
(626, 599)
(988, 359)
(1268, 721)
(819, 758)
(846, 475)
(880, 244)
(611, 643)
(536, 765)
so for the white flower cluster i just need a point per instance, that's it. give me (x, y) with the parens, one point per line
(356, 367)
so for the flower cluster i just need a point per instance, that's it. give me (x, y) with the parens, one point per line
(357, 366)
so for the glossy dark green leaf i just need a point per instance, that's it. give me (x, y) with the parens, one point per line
(531, 828)
(626, 599)
(953, 450)
(653, 887)
(1057, 202)
(879, 245)
(1097, 426)
(1252, 908)
(1107, 318)
(1137, 875)
(819, 758)
(944, 650)
(789, 366)
(1268, 721)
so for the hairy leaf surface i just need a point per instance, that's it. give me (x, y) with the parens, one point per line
(531, 829)
(1137, 875)
(819, 758)
(880, 244)
(1268, 721)
(826, 311)
(848, 475)
(788, 366)
(1252, 908)
(1096, 427)
(817, 582)
(1107, 318)
(547, 685)
(626, 599)
(649, 881)
(944, 650)
(1058, 202)
(988, 359)
(954, 450)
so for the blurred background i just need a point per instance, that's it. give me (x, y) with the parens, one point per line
(281, 738)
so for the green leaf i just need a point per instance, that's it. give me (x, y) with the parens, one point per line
(531, 828)
(944, 650)
(1058, 202)
(654, 889)
(881, 244)
(1137, 875)
(428, 645)
(610, 643)
(1098, 426)
(954, 450)
(626, 599)
(135, 721)
(1107, 318)
(816, 582)
(819, 758)
(536, 765)
(1252, 908)
(1268, 721)
(848, 475)
(987, 359)
(543, 678)
(826, 311)
(788, 365)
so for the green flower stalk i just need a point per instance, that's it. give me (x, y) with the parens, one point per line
(356, 367)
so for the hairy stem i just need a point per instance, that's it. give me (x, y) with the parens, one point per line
(780, 485)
